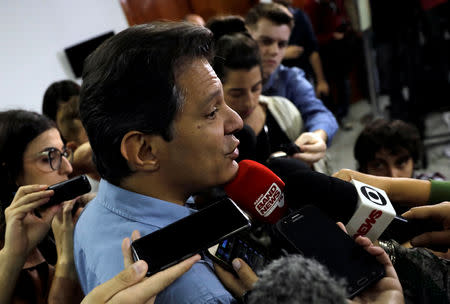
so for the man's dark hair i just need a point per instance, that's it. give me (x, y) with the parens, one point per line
(393, 136)
(67, 118)
(129, 84)
(272, 11)
(57, 93)
(296, 279)
(234, 47)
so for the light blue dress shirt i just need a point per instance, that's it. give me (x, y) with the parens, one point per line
(292, 84)
(111, 217)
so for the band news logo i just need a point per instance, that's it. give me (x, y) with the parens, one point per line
(267, 202)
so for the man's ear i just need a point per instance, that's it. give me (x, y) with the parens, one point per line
(139, 150)
(248, 29)
(72, 145)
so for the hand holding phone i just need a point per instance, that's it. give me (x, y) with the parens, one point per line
(238, 246)
(190, 235)
(68, 190)
(311, 233)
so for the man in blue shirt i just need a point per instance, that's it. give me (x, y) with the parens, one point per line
(271, 24)
(160, 131)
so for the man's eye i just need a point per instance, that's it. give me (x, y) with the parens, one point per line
(257, 88)
(402, 162)
(212, 115)
(376, 165)
(266, 41)
(236, 95)
(282, 44)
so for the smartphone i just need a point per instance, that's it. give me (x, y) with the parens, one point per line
(68, 190)
(190, 235)
(238, 246)
(313, 234)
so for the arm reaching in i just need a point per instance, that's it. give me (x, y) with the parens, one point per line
(313, 146)
(238, 286)
(24, 230)
(440, 214)
(293, 51)
(65, 287)
(386, 290)
(406, 191)
(131, 286)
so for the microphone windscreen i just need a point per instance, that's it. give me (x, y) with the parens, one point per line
(247, 142)
(258, 191)
(283, 167)
(337, 198)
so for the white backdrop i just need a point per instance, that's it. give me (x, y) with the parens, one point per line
(33, 35)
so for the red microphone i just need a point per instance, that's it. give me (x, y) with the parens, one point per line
(258, 191)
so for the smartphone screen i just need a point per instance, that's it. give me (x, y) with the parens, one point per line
(238, 246)
(190, 235)
(314, 235)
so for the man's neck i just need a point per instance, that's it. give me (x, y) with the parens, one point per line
(153, 187)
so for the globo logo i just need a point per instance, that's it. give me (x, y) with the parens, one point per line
(373, 195)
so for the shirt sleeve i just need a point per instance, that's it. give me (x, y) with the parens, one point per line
(440, 192)
(314, 113)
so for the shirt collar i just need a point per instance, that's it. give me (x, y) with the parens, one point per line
(272, 79)
(139, 207)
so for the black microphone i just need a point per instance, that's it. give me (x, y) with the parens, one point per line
(247, 145)
(366, 209)
(359, 205)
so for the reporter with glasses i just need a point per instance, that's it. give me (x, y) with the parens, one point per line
(32, 157)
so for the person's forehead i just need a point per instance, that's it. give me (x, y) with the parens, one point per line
(267, 27)
(244, 76)
(197, 79)
(392, 153)
(48, 138)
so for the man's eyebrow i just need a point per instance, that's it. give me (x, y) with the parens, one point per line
(211, 97)
(265, 37)
(241, 89)
(236, 89)
(258, 83)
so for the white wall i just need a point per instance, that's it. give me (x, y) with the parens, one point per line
(33, 35)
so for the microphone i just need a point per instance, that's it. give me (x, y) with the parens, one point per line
(247, 142)
(258, 191)
(366, 209)
(374, 212)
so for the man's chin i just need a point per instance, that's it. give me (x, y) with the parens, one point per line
(267, 71)
(232, 172)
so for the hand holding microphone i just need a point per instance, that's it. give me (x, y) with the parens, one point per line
(312, 145)
(440, 214)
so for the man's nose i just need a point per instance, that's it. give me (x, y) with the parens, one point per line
(233, 122)
(273, 48)
(394, 172)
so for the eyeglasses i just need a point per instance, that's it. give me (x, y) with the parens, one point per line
(53, 157)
